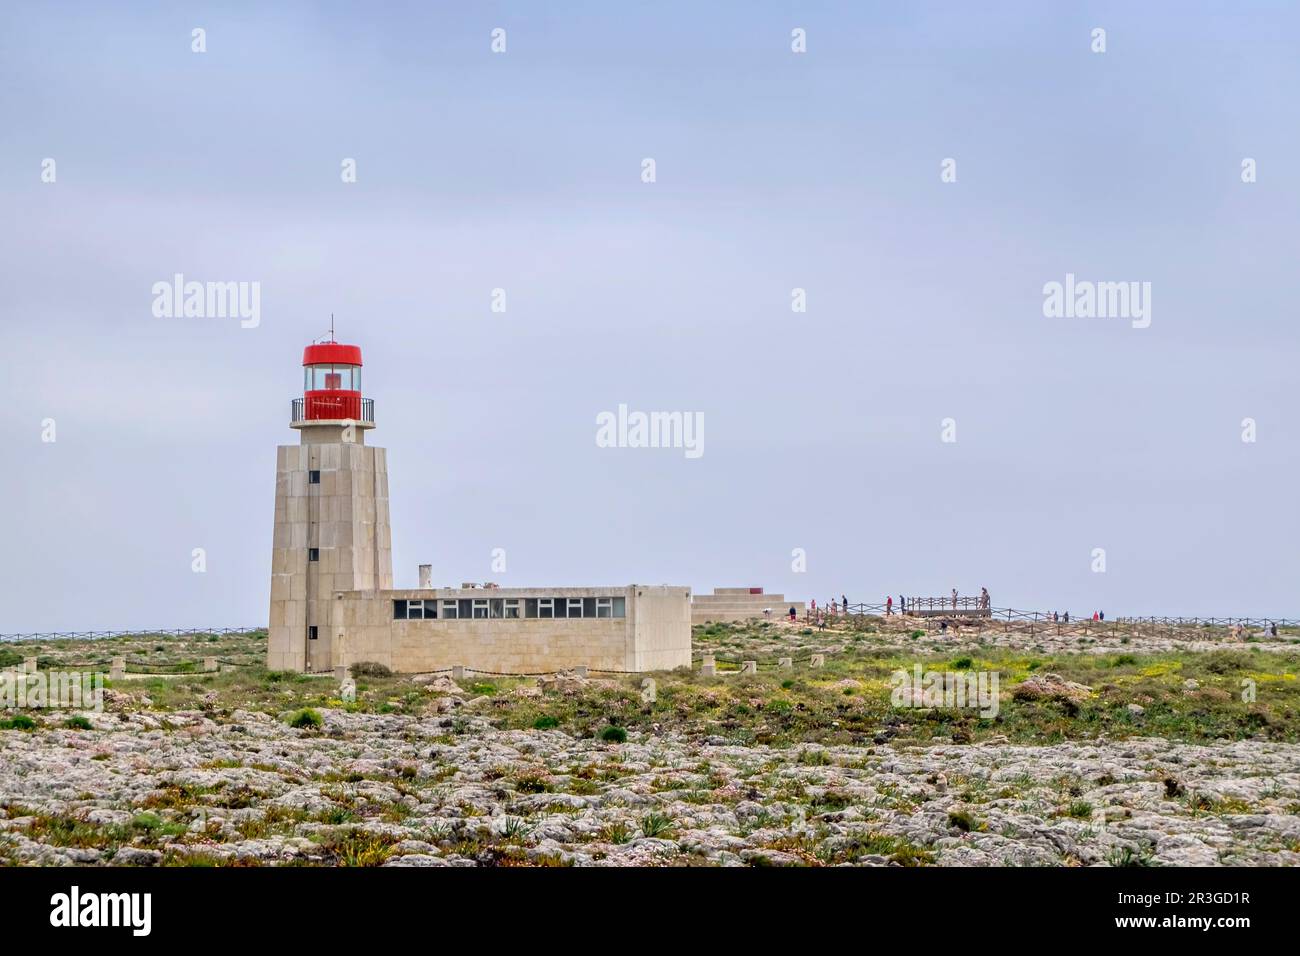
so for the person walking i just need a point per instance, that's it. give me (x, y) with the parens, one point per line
(793, 614)
(844, 603)
(954, 599)
(889, 605)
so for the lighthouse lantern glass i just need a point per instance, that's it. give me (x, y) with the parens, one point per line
(331, 377)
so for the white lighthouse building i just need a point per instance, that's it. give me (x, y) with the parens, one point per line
(331, 510)
(332, 597)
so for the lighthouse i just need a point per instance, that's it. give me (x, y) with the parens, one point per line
(331, 510)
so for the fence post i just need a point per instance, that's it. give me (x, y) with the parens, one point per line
(817, 660)
(29, 665)
(341, 673)
(785, 663)
(117, 668)
(749, 667)
(209, 664)
(649, 692)
(580, 670)
(457, 671)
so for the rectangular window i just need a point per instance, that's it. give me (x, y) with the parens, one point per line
(312, 632)
(430, 610)
(399, 610)
(496, 607)
(545, 607)
(313, 477)
(620, 607)
(604, 607)
(588, 607)
(480, 608)
(530, 607)
(511, 608)
(449, 611)
(466, 608)
(575, 607)
(313, 554)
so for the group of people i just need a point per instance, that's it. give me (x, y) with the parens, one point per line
(830, 608)
(983, 603)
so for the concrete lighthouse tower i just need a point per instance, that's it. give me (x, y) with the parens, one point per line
(331, 510)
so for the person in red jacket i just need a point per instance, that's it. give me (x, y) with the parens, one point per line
(889, 605)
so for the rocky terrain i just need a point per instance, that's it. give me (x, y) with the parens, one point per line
(1125, 755)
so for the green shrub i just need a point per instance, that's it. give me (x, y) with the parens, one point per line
(306, 719)
(1079, 809)
(656, 825)
(545, 722)
(1129, 856)
(78, 722)
(617, 832)
(613, 735)
(961, 820)
(370, 669)
(962, 664)
(18, 722)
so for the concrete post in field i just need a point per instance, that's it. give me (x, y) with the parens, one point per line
(749, 667)
(117, 668)
(29, 665)
(580, 670)
(209, 664)
(426, 576)
(649, 692)
(341, 673)
(785, 663)
(817, 660)
(458, 672)
(707, 667)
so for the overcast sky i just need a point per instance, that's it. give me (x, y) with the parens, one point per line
(774, 170)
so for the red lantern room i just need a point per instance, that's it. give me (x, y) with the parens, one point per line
(331, 390)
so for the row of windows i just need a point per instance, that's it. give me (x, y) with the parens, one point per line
(485, 608)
